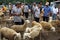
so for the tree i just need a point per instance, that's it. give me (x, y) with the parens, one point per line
(28, 1)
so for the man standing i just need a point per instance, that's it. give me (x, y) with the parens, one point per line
(54, 14)
(17, 12)
(26, 10)
(47, 11)
(10, 8)
(37, 13)
(34, 6)
(41, 11)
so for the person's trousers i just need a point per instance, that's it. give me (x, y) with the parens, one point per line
(54, 16)
(26, 14)
(36, 19)
(19, 23)
(10, 12)
(45, 18)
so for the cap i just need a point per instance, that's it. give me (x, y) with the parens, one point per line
(47, 3)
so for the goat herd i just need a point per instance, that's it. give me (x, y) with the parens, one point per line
(24, 32)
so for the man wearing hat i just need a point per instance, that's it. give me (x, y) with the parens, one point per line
(47, 11)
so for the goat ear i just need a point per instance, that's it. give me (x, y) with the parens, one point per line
(18, 36)
(15, 36)
(27, 21)
(53, 29)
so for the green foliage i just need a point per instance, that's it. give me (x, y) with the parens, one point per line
(27, 1)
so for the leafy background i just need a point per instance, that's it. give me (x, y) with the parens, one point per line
(28, 1)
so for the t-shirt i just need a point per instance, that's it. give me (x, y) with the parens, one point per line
(34, 7)
(55, 10)
(26, 8)
(17, 11)
(47, 10)
(37, 12)
(10, 7)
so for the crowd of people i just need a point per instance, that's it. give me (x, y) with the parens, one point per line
(39, 11)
